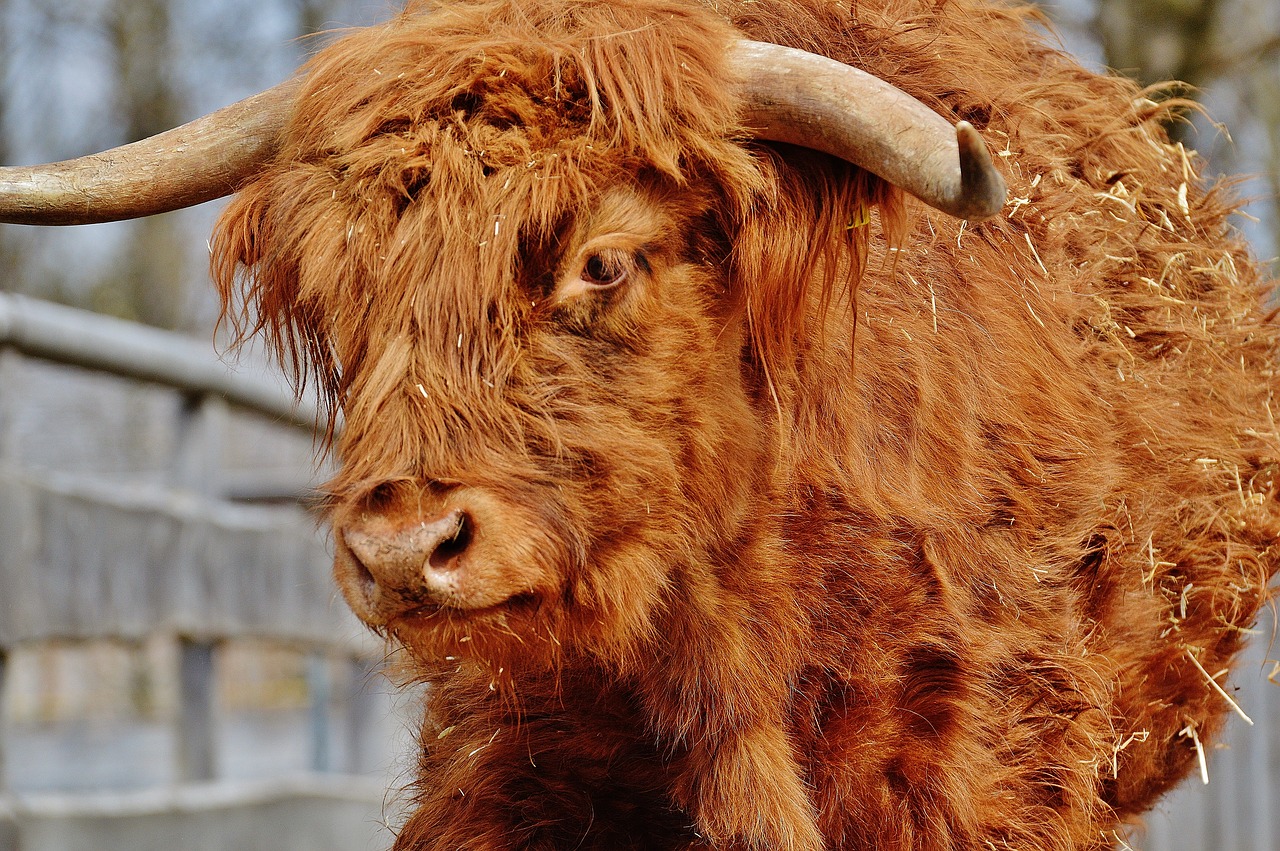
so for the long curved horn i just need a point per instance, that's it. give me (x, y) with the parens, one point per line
(197, 162)
(809, 100)
(791, 95)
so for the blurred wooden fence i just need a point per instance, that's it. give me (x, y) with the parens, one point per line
(146, 489)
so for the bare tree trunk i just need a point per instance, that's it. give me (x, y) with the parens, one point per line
(314, 15)
(10, 255)
(150, 284)
(1159, 41)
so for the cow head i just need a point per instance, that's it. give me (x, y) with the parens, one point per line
(513, 274)
(528, 251)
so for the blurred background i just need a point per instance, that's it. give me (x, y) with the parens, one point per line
(192, 713)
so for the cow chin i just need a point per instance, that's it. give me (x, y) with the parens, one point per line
(448, 573)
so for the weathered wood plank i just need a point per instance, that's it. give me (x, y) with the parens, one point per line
(317, 813)
(86, 557)
(76, 337)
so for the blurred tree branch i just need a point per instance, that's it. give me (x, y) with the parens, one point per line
(148, 285)
(1239, 61)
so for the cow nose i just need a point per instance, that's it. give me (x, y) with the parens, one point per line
(409, 566)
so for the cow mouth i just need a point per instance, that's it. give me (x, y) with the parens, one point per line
(428, 615)
(504, 635)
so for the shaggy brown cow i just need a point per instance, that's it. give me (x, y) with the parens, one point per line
(726, 496)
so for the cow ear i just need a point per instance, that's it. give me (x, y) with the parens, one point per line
(801, 249)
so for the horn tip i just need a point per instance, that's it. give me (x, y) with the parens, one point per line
(983, 188)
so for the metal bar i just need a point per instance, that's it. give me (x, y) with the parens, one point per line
(79, 338)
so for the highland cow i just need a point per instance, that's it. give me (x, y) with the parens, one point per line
(726, 495)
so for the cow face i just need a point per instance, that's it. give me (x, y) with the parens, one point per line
(517, 296)
(530, 451)
(529, 257)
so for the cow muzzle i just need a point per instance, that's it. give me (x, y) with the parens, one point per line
(470, 553)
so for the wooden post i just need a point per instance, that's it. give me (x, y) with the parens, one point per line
(198, 455)
(320, 692)
(4, 721)
(363, 697)
(196, 711)
(8, 824)
(8, 452)
(200, 433)
(19, 530)
(9, 361)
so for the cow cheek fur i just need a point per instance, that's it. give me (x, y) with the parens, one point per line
(675, 468)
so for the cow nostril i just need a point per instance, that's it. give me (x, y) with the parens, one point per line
(362, 573)
(445, 554)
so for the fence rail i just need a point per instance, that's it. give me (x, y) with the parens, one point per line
(65, 335)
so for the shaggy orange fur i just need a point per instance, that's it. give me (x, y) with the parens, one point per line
(797, 515)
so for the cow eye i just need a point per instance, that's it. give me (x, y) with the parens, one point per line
(606, 269)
